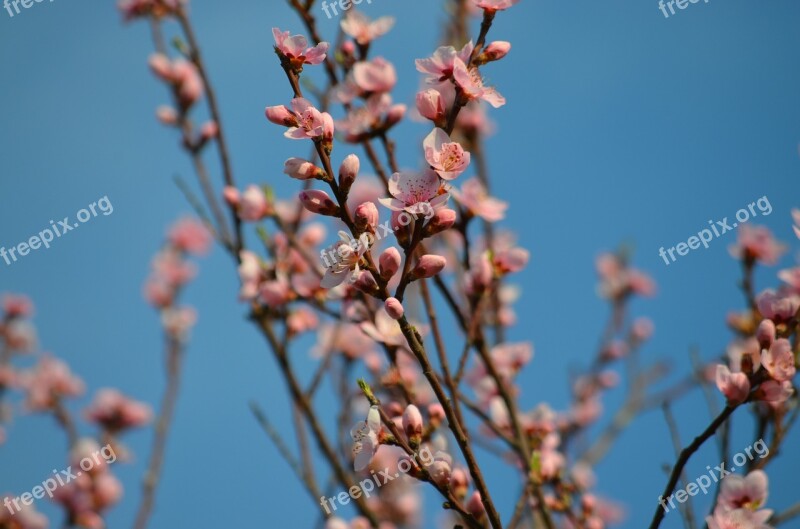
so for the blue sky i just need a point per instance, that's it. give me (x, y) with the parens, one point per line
(622, 126)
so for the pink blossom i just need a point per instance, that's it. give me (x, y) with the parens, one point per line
(365, 439)
(735, 386)
(744, 492)
(191, 236)
(346, 263)
(446, 157)
(430, 105)
(738, 519)
(791, 276)
(416, 193)
(254, 205)
(440, 66)
(49, 381)
(302, 320)
(182, 74)
(475, 506)
(364, 30)
(178, 321)
(303, 120)
(778, 360)
(144, 8)
(412, 424)
(779, 307)
(250, 274)
(377, 75)
(495, 5)
(115, 412)
(511, 260)
(384, 329)
(17, 306)
(476, 199)
(774, 392)
(765, 333)
(296, 49)
(495, 51)
(758, 244)
(348, 172)
(471, 83)
(642, 329)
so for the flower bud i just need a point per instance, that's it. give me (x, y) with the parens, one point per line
(366, 283)
(475, 506)
(302, 169)
(494, 52)
(209, 130)
(441, 469)
(231, 195)
(348, 173)
(394, 308)
(766, 333)
(430, 105)
(366, 217)
(389, 261)
(459, 483)
(436, 414)
(428, 266)
(253, 206)
(167, 115)
(412, 418)
(280, 115)
(441, 221)
(348, 47)
(161, 66)
(395, 115)
(320, 202)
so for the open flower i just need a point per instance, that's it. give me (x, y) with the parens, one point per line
(744, 492)
(735, 386)
(778, 360)
(296, 49)
(365, 439)
(439, 67)
(415, 192)
(360, 27)
(757, 243)
(739, 519)
(474, 197)
(345, 260)
(447, 157)
(303, 120)
(471, 82)
(495, 5)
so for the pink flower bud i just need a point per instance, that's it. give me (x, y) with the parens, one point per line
(441, 469)
(428, 266)
(436, 414)
(395, 114)
(320, 202)
(348, 172)
(766, 333)
(495, 51)
(302, 169)
(161, 66)
(366, 216)
(167, 115)
(441, 221)
(642, 329)
(459, 483)
(209, 130)
(389, 261)
(253, 206)
(366, 283)
(412, 418)
(281, 115)
(348, 47)
(475, 506)
(231, 195)
(431, 105)
(735, 386)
